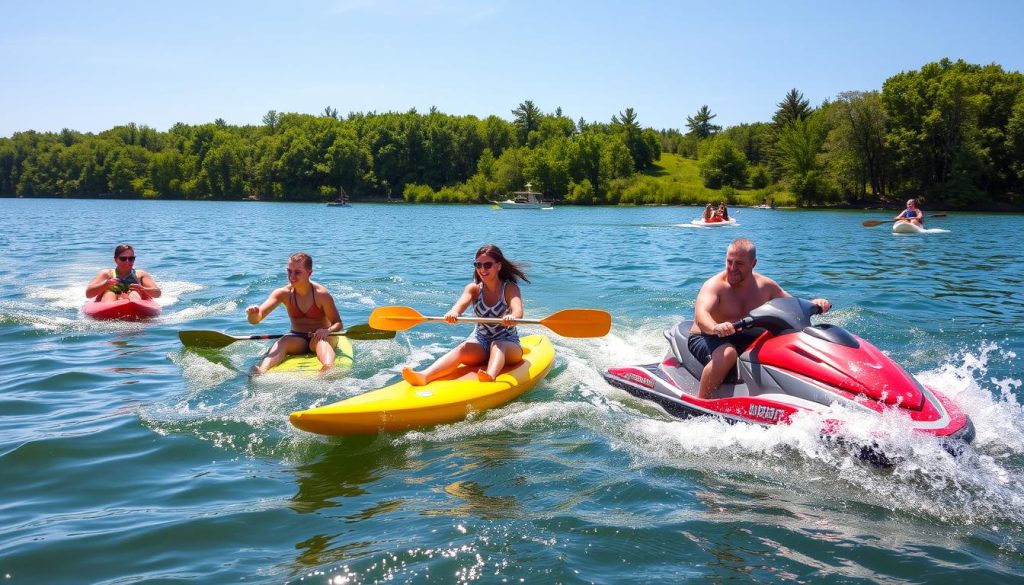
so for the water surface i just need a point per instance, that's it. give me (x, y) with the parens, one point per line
(124, 458)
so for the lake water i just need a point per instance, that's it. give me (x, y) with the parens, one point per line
(124, 458)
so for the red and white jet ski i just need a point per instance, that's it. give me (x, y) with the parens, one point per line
(792, 367)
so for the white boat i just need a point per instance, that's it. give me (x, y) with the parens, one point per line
(524, 200)
(906, 227)
(722, 222)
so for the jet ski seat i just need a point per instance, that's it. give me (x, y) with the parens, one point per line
(678, 337)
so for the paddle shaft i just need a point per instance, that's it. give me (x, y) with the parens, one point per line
(490, 320)
(567, 322)
(280, 335)
(218, 339)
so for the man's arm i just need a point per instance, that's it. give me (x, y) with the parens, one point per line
(707, 298)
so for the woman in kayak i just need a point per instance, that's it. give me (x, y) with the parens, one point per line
(494, 292)
(311, 310)
(123, 281)
(723, 212)
(911, 214)
(709, 213)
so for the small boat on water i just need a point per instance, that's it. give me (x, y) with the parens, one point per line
(341, 201)
(400, 407)
(524, 200)
(714, 223)
(122, 309)
(906, 227)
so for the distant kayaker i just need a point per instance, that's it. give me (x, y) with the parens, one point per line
(911, 214)
(724, 298)
(313, 315)
(494, 292)
(709, 212)
(123, 281)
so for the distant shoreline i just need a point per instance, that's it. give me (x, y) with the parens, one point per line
(395, 201)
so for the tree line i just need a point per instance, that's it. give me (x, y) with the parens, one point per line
(951, 131)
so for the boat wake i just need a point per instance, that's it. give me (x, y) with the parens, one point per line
(984, 484)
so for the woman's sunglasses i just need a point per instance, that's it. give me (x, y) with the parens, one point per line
(484, 265)
(126, 258)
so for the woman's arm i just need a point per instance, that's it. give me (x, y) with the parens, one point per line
(463, 302)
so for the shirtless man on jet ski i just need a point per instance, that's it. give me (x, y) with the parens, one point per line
(724, 298)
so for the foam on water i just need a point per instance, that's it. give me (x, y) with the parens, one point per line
(983, 485)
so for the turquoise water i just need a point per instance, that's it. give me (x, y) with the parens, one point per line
(125, 459)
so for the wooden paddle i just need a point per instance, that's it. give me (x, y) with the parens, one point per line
(567, 322)
(217, 339)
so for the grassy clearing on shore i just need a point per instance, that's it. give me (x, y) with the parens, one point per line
(676, 180)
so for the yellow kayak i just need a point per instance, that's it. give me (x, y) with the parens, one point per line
(400, 407)
(308, 363)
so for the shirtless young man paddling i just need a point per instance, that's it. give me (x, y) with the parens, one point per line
(312, 312)
(724, 298)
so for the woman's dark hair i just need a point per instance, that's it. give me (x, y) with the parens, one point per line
(122, 248)
(509, 270)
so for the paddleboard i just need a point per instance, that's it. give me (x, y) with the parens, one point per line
(308, 363)
(121, 309)
(401, 407)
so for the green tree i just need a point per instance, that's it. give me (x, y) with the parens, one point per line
(700, 123)
(799, 145)
(856, 144)
(793, 107)
(526, 119)
(721, 163)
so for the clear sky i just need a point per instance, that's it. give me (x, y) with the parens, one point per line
(92, 65)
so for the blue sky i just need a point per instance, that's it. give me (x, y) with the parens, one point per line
(90, 66)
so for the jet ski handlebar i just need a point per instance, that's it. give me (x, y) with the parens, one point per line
(780, 314)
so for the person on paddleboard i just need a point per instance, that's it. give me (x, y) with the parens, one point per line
(494, 292)
(313, 315)
(723, 299)
(911, 214)
(123, 281)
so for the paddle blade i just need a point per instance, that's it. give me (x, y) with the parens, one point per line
(205, 339)
(939, 215)
(395, 318)
(579, 323)
(366, 333)
(873, 222)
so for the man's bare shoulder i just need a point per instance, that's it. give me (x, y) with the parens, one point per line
(715, 283)
(767, 284)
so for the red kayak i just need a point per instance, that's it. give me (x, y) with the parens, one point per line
(121, 309)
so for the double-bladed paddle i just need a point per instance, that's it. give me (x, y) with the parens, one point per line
(567, 322)
(217, 339)
(874, 222)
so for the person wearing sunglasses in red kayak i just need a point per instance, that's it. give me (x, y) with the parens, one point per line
(494, 292)
(313, 315)
(123, 281)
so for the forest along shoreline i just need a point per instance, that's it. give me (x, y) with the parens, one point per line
(858, 149)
